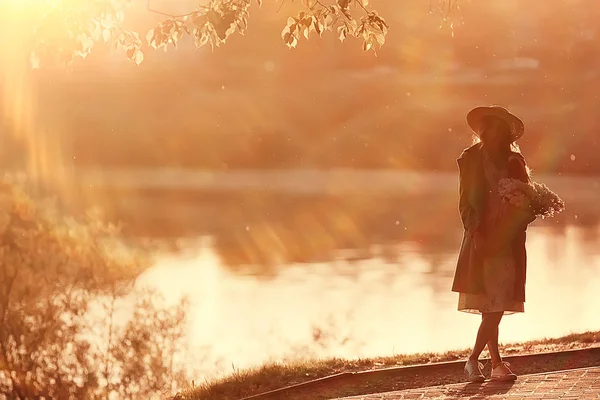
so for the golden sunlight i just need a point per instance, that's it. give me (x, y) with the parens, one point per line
(44, 152)
(273, 203)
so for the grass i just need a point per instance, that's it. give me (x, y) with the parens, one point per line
(245, 383)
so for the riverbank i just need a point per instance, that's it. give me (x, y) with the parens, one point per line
(247, 383)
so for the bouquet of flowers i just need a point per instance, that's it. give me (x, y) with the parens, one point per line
(536, 197)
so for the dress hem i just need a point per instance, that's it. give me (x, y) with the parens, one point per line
(478, 312)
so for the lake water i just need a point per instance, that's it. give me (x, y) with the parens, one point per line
(357, 264)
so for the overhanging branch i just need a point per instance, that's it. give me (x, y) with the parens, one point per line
(164, 14)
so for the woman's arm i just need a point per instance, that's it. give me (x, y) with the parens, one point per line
(517, 169)
(467, 213)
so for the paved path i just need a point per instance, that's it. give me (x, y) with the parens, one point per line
(578, 384)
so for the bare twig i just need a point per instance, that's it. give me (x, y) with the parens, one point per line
(164, 14)
(359, 2)
(321, 4)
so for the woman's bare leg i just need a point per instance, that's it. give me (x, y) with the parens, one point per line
(492, 345)
(488, 332)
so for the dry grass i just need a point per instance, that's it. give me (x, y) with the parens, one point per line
(269, 377)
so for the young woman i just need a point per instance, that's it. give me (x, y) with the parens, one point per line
(490, 274)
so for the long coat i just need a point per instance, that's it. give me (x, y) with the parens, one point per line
(473, 188)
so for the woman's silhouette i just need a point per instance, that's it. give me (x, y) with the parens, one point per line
(490, 274)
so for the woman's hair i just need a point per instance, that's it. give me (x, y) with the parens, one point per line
(514, 147)
(489, 120)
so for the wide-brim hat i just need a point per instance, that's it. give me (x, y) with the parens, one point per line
(476, 115)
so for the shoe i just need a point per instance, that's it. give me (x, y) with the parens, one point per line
(473, 370)
(503, 373)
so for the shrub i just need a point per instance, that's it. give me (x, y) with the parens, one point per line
(73, 324)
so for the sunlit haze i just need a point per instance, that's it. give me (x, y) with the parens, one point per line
(304, 200)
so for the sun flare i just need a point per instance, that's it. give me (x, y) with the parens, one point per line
(17, 83)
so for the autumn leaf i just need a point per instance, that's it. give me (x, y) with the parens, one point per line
(80, 25)
(343, 3)
(150, 36)
(106, 34)
(342, 33)
(138, 57)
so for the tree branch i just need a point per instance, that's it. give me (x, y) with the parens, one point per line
(359, 2)
(149, 8)
(280, 6)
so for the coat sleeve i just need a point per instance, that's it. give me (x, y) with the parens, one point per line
(517, 168)
(467, 213)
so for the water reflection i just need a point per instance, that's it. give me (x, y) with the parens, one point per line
(351, 264)
(265, 231)
(369, 307)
